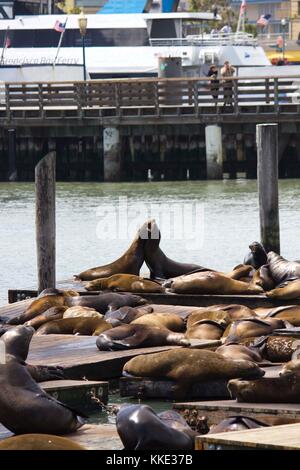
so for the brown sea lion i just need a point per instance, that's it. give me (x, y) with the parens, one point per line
(250, 327)
(160, 266)
(46, 300)
(236, 423)
(288, 291)
(75, 326)
(212, 283)
(104, 303)
(257, 256)
(291, 368)
(140, 428)
(205, 329)
(24, 406)
(125, 283)
(235, 311)
(39, 442)
(281, 269)
(76, 312)
(240, 271)
(126, 315)
(266, 390)
(238, 351)
(168, 320)
(290, 313)
(130, 262)
(188, 366)
(54, 313)
(263, 278)
(218, 316)
(138, 336)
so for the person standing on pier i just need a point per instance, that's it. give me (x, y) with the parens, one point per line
(227, 71)
(214, 82)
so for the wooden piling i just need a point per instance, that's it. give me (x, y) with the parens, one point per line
(267, 175)
(45, 221)
(12, 164)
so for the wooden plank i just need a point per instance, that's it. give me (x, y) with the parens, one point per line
(90, 436)
(286, 437)
(81, 393)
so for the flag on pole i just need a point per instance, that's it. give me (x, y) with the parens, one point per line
(7, 40)
(243, 7)
(59, 27)
(264, 20)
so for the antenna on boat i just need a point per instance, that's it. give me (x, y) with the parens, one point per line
(242, 16)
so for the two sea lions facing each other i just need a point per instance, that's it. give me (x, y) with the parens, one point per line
(140, 428)
(125, 283)
(138, 336)
(24, 406)
(39, 442)
(86, 326)
(189, 366)
(211, 283)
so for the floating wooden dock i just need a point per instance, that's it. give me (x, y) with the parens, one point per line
(90, 436)
(83, 393)
(285, 437)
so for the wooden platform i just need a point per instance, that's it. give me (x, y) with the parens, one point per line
(90, 436)
(81, 393)
(272, 438)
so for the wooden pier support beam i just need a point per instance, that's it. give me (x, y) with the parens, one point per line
(214, 152)
(267, 175)
(112, 154)
(12, 164)
(45, 221)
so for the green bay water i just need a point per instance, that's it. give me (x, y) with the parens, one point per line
(208, 223)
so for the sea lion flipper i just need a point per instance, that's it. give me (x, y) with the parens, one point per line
(45, 373)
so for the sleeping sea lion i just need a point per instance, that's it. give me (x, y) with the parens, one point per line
(189, 366)
(130, 262)
(24, 406)
(212, 283)
(291, 368)
(290, 313)
(126, 315)
(160, 266)
(140, 428)
(53, 313)
(281, 269)
(257, 256)
(138, 336)
(239, 351)
(104, 303)
(251, 327)
(39, 442)
(87, 326)
(168, 320)
(289, 290)
(235, 311)
(125, 283)
(267, 390)
(76, 312)
(205, 329)
(263, 278)
(218, 316)
(236, 423)
(280, 348)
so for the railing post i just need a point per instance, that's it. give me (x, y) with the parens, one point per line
(276, 95)
(195, 97)
(7, 101)
(267, 175)
(156, 98)
(40, 86)
(117, 99)
(267, 88)
(235, 96)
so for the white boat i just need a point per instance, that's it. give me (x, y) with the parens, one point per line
(121, 46)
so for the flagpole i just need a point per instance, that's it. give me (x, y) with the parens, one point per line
(239, 22)
(59, 42)
(4, 45)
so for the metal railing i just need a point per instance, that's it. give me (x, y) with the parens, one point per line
(214, 39)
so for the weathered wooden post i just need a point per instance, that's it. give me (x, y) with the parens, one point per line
(267, 175)
(45, 221)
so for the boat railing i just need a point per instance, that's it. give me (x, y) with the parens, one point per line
(214, 39)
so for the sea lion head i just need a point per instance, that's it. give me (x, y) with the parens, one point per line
(238, 387)
(290, 369)
(150, 232)
(255, 247)
(17, 341)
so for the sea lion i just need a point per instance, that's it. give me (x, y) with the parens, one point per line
(39, 442)
(24, 406)
(140, 428)
(212, 283)
(46, 300)
(263, 278)
(240, 271)
(86, 326)
(239, 351)
(168, 320)
(138, 336)
(267, 390)
(290, 313)
(291, 368)
(236, 423)
(281, 269)
(76, 312)
(235, 311)
(205, 329)
(218, 316)
(257, 256)
(130, 262)
(280, 348)
(104, 303)
(250, 327)
(126, 315)
(53, 313)
(289, 290)
(188, 366)
(160, 266)
(125, 283)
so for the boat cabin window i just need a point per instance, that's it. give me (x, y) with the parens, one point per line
(163, 29)
(114, 37)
